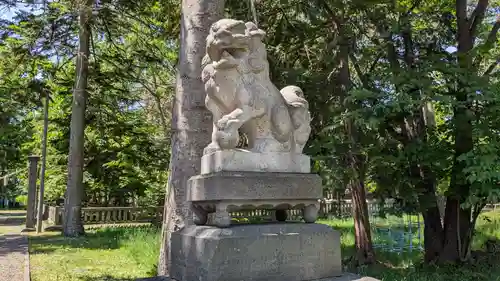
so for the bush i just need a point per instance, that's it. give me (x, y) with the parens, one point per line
(22, 200)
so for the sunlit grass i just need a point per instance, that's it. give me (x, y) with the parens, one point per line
(407, 266)
(132, 252)
(105, 254)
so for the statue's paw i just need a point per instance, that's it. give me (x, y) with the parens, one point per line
(222, 123)
(211, 148)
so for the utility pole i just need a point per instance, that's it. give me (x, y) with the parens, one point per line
(39, 219)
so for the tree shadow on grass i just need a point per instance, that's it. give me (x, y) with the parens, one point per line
(111, 278)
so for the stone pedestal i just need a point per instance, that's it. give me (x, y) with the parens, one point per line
(225, 192)
(266, 252)
(243, 160)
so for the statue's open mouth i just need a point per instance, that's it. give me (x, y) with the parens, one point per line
(236, 52)
(229, 57)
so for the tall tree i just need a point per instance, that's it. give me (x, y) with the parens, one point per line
(353, 157)
(415, 64)
(461, 212)
(191, 121)
(73, 225)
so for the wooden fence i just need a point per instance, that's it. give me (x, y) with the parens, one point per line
(111, 215)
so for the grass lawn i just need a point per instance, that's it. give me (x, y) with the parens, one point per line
(113, 254)
(103, 254)
(408, 266)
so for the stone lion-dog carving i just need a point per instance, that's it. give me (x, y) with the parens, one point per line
(241, 96)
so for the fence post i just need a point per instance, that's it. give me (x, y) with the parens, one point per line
(32, 178)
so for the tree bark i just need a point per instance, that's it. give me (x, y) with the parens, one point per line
(354, 159)
(433, 228)
(457, 223)
(363, 239)
(191, 121)
(413, 129)
(72, 223)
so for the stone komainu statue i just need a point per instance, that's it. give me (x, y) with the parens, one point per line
(242, 97)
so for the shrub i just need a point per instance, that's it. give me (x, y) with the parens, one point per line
(22, 199)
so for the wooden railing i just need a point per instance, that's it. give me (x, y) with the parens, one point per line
(103, 215)
(264, 215)
(110, 215)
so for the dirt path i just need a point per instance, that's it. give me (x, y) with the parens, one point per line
(13, 247)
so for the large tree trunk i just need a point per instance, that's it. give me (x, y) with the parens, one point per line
(72, 223)
(363, 239)
(457, 226)
(191, 121)
(433, 228)
(457, 223)
(414, 131)
(354, 159)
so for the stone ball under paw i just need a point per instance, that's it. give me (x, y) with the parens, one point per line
(228, 140)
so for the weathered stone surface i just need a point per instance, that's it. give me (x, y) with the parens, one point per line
(244, 160)
(242, 97)
(157, 278)
(268, 252)
(225, 192)
(254, 186)
(349, 277)
(344, 277)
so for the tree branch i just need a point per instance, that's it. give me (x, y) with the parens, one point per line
(374, 63)
(408, 45)
(490, 42)
(461, 11)
(392, 55)
(398, 136)
(491, 67)
(492, 36)
(334, 17)
(413, 7)
(362, 76)
(477, 16)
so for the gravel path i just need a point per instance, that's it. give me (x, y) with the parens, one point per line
(13, 250)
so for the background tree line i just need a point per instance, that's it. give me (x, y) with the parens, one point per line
(404, 97)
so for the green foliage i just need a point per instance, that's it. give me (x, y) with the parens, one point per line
(22, 199)
(103, 254)
(395, 106)
(130, 85)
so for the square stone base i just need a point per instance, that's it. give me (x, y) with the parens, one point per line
(246, 186)
(242, 160)
(267, 252)
(344, 277)
(225, 192)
